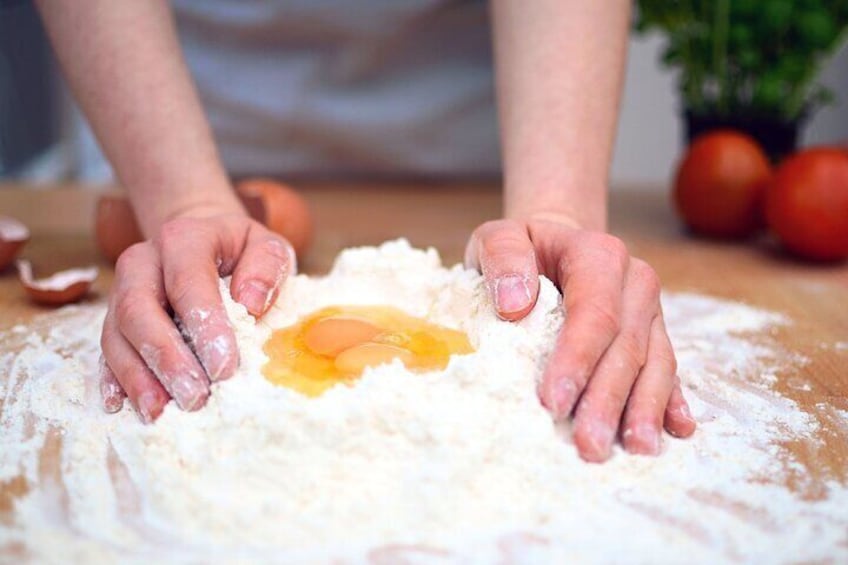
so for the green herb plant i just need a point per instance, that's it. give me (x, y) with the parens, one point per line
(757, 57)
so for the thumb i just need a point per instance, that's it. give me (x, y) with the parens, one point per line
(503, 252)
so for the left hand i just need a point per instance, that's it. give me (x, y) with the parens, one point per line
(612, 365)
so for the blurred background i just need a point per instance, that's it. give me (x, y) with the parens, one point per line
(43, 139)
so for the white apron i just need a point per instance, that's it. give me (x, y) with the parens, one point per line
(339, 87)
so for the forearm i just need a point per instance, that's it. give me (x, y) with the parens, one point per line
(124, 65)
(559, 74)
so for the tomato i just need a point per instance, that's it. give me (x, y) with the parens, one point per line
(719, 185)
(806, 204)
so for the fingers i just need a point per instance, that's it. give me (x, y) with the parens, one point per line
(111, 392)
(599, 411)
(265, 262)
(138, 307)
(190, 251)
(643, 420)
(130, 374)
(146, 357)
(594, 277)
(678, 419)
(503, 252)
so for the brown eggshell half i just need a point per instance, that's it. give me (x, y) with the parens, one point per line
(280, 208)
(13, 236)
(59, 288)
(115, 226)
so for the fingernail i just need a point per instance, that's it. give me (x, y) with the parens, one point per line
(254, 295)
(643, 439)
(111, 393)
(188, 391)
(216, 356)
(146, 405)
(599, 439)
(511, 294)
(113, 396)
(563, 393)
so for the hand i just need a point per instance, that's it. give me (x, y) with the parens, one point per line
(612, 365)
(145, 356)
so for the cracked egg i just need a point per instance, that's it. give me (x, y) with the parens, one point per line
(336, 344)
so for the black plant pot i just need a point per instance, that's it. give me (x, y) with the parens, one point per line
(777, 138)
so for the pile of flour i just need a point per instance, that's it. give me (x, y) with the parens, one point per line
(452, 466)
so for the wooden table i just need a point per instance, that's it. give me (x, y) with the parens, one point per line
(815, 297)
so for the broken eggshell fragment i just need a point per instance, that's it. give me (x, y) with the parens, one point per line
(13, 236)
(59, 288)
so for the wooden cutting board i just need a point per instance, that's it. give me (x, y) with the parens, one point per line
(814, 297)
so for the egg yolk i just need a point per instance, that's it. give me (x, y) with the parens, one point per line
(335, 344)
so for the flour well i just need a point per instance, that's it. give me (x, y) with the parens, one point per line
(462, 465)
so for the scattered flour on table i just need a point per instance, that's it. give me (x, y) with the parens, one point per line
(462, 465)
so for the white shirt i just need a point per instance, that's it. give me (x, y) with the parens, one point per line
(341, 87)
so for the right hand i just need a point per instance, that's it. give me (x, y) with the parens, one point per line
(145, 357)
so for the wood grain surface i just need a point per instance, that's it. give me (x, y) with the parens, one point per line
(814, 297)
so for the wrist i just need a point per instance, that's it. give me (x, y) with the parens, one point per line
(156, 207)
(584, 209)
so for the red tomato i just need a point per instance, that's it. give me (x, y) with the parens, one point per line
(807, 204)
(719, 185)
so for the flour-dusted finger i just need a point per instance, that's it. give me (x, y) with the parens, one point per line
(191, 251)
(134, 377)
(599, 410)
(592, 275)
(503, 252)
(139, 303)
(678, 419)
(643, 418)
(264, 264)
(111, 393)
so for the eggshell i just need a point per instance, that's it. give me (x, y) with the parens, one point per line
(60, 288)
(280, 208)
(13, 236)
(115, 226)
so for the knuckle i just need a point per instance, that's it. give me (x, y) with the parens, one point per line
(632, 350)
(495, 226)
(131, 256)
(494, 239)
(676, 383)
(170, 230)
(504, 241)
(174, 230)
(667, 358)
(181, 285)
(604, 318)
(129, 309)
(278, 248)
(585, 361)
(134, 380)
(641, 411)
(646, 276)
(613, 246)
(484, 229)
